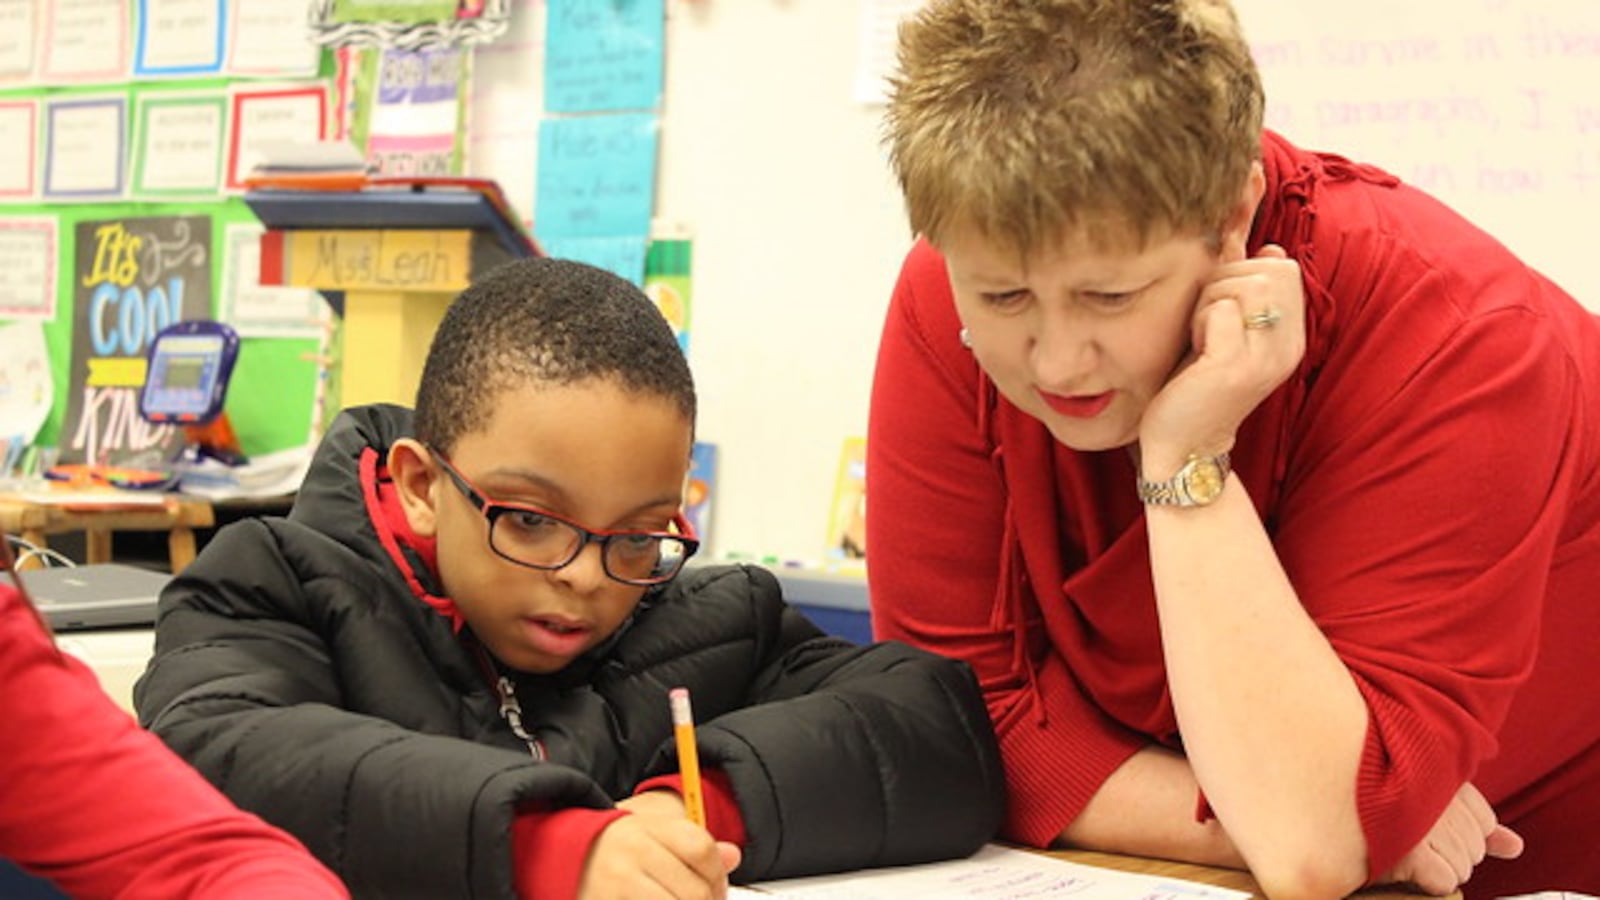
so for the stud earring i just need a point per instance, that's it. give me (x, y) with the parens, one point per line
(966, 338)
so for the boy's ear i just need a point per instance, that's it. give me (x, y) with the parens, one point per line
(416, 483)
(1236, 231)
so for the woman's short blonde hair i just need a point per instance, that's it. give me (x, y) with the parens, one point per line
(1028, 120)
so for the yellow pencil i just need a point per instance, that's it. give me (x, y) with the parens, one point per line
(688, 755)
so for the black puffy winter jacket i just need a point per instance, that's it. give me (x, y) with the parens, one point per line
(298, 670)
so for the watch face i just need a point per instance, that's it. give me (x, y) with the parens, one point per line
(1203, 480)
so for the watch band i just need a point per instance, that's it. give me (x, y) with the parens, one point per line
(1198, 482)
(1160, 493)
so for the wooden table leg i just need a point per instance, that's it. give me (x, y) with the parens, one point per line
(180, 546)
(97, 545)
(37, 538)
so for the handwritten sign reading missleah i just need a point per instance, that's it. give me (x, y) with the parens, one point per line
(368, 259)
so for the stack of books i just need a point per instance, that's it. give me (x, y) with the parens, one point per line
(309, 166)
(292, 173)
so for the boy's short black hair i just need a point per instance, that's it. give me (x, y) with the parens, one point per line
(544, 320)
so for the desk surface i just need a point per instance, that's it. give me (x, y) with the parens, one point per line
(1227, 878)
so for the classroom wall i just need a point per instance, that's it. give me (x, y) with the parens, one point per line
(799, 231)
(778, 175)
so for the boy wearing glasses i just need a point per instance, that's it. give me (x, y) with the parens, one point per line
(447, 670)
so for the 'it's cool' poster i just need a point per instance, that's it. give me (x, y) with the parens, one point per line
(131, 278)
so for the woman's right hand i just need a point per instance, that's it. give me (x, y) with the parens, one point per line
(657, 857)
(1465, 834)
(1231, 367)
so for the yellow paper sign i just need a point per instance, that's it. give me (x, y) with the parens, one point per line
(378, 259)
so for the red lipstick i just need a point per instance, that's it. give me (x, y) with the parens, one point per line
(1079, 406)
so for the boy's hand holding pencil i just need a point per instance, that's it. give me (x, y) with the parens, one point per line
(651, 855)
(663, 848)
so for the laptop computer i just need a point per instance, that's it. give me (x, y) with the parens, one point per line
(99, 595)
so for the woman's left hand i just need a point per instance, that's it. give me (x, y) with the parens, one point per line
(1465, 834)
(1248, 335)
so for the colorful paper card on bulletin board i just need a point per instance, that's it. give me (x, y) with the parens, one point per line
(178, 145)
(409, 111)
(18, 42)
(597, 175)
(411, 24)
(601, 55)
(85, 147)
(28, 247)
(596, 189)
(668, 284)
(268, 117)
(622, 256)
(268, 37)
(84, 41)
(178, 38)
(19, 149)
(26, 387)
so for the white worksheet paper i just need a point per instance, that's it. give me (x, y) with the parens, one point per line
(994, 872)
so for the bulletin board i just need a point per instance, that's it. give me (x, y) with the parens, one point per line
(127, 128)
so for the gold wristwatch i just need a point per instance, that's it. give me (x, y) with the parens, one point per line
(1197, 483)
